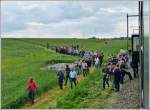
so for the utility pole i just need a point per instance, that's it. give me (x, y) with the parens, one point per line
(128, 27)
(127, 31)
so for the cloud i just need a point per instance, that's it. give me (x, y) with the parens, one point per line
(117, 10)
(65, 18)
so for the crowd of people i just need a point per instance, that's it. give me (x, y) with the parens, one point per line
(70, 50)
(71, 74)
(115, 70)
(92, 58)
(88, 59)
(82, 67)
(74, 50)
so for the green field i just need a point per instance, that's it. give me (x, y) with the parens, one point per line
(24, 58)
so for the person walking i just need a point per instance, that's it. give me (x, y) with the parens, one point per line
(109, 69)
(60, 75)
(135, 69)
(101, 57)
(134, 65)
(80, 66)
(124, 72)
(117, 76)
(67, 74)
(32, 87)
(97, 63)
(84, 68)
(112, 80)
(73, 77)
(105, 77)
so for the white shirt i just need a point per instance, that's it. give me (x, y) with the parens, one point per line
(97, 60)
(73, 74)
(84, 65)
(76, 51)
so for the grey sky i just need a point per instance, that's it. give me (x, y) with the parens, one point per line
(69, 19)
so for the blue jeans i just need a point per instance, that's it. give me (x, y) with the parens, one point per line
(72, 80)
(97, 66)
(31, 96)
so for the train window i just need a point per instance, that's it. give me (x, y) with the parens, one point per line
(136, 44)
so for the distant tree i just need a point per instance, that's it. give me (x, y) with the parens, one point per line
(105, 42)
(47, 45)
(93, 37)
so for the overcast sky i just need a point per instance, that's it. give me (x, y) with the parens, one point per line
(68, 19)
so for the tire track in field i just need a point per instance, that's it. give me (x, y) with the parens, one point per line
(49, 99)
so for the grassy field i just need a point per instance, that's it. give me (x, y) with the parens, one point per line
(86, 44)
(89, 94)
(22, 58)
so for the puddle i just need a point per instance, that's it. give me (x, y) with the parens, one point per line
(60, 66)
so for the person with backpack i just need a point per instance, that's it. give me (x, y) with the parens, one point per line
(117, 76)
(114, 60)
(67, 74)
(32, 87)
(60, 75)
(123, 71)
(73, 77)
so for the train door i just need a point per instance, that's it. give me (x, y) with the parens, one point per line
(135, 48)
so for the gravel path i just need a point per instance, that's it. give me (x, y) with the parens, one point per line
(129, 95)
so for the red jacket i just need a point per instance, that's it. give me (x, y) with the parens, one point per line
(32, 86)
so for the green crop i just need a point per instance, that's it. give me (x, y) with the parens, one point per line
(24, 58)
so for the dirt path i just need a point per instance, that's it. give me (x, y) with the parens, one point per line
(49, 99)
(128, 97)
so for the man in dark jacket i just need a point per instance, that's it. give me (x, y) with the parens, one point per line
(117, 76)
(105, 76)
(135, 69)
(60, 75)
(67, 74)
(135, 61)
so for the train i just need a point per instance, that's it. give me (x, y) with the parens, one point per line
(140, 52)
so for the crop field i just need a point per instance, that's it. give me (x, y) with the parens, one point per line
(24, 58)
(21, 60)
(108, 45)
